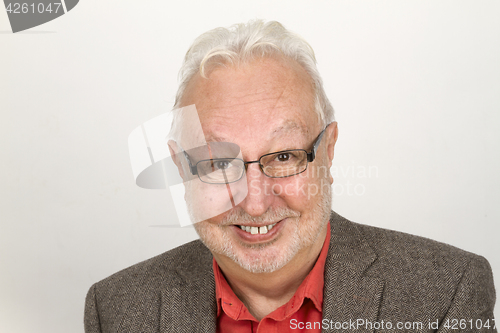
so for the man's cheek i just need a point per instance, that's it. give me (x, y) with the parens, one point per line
(209, 201)
(318, 171)
(306, 189)
(295, 188)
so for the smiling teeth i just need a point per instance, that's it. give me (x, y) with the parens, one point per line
(258, 230)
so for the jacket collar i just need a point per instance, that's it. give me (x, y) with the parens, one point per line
(349, 293)
(188, 302)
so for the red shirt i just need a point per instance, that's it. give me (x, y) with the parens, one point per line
(302, 313)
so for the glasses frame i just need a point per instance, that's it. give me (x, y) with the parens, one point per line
(310, 158)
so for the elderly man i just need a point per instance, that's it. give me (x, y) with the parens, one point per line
(279, 260)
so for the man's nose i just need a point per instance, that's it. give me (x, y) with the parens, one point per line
(260, 192)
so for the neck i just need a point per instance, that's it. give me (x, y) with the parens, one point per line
(262, 293)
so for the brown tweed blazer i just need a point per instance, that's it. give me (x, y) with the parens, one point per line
(371, 274)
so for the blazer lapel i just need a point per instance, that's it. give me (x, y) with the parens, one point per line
(188, 304)
(349, 294)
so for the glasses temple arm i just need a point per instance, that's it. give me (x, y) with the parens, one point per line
(193, 169)
(312, 155)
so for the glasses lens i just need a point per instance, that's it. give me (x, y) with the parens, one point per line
(220, 170)
(284, 163)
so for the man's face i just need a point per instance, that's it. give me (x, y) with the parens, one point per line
(265, 106)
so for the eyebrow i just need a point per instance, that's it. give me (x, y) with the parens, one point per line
(211, 138)
(288, 126)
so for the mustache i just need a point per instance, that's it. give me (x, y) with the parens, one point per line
(272, 215)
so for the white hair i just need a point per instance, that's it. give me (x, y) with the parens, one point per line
(244, 42)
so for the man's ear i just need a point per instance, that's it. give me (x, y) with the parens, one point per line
(332, 133)
(176, 154)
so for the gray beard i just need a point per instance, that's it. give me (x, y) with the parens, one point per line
(266, 264)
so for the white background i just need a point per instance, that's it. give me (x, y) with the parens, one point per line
(415, 85)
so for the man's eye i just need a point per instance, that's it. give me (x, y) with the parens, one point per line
(222, 164)
(283, 157)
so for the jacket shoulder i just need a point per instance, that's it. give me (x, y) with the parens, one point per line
(398, 246)
(419, 273)
(135, 292)
(186, 258)
(403, 247)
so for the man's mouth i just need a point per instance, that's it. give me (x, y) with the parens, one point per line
(257, 230)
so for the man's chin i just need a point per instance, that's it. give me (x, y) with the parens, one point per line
(262, 258)
(260, 265)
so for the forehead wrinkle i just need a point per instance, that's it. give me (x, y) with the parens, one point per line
(285, 88)
(242, 102)
(254, 94)
(287, 126)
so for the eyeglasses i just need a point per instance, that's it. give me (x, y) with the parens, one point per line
(280, 164)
